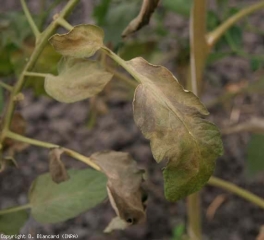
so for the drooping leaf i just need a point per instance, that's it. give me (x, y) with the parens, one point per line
(171, 118)
(78, 79)
(147, 8)
(57, 169)
(255, 155)
(82, 41)
(123, 185)
(12, 222)
(51, 202)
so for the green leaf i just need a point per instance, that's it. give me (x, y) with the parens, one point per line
(82, 41)
(78, 79)
(11, 223)
(255, 155)
(51, 202)
(255, 64)
(171, 118)
(123, 186)
(182, 7)
(100, 11)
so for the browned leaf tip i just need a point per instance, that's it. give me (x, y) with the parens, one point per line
(124, 185)
(57, 169)
(147, 8)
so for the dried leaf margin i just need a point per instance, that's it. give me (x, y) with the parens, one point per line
(82, 41)
(171, 118)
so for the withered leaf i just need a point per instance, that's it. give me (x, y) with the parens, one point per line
(82, 41)
(124, 184)
(57, 169)
(78, 79)
(147, 8)
(171, 118)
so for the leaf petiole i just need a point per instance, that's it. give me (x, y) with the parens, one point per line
(15, 209)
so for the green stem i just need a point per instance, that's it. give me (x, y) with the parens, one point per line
(15, 209)
(35, 74)
(30, 65)
(43, 144)
(198, 56)
(6, 86)
(30, 19)
(122, 77)
(237, 190)
(64, 24)
(216, 34)
(122, 63)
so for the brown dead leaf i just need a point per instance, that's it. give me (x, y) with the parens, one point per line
(147, 8)
(124, 185)
(56, 167)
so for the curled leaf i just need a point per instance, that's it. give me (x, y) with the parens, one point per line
(57, 169)
(123, 185)
(82, 41)
(171, 118)
(78, 79)
(147, 8)
(116, 224)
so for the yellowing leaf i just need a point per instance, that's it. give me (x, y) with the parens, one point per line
(82, 41)
(170, 117)
(78, 79)
(116, 224)
(123, 185)
(147, 8)
(56, 167)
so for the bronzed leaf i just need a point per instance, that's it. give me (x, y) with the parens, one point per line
(124, 184)
(147, 8)
(82, 41)
(170, 117)
(51, 202)
(78, 79)
(56, 167)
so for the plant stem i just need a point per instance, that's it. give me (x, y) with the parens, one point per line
(6, 86)
(122, 77)
(122, 63)
(15, 209)
(35, 74)
(198, 45)
(216, 34)
(30, 64)
(198, 56)
(64, 23)
(30, 19)
(43, 144)
(214, 181)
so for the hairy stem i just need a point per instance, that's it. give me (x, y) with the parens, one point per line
(30, 20)
(236, 190)
(41, 43)
(43, 144)
(216, 34)
(14, 209)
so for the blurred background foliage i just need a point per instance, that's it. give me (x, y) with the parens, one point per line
(153, 43)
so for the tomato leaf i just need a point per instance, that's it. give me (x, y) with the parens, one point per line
(171, 118)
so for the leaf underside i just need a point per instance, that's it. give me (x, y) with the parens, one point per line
(171, 118)
(78, 79)
(52, 203)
